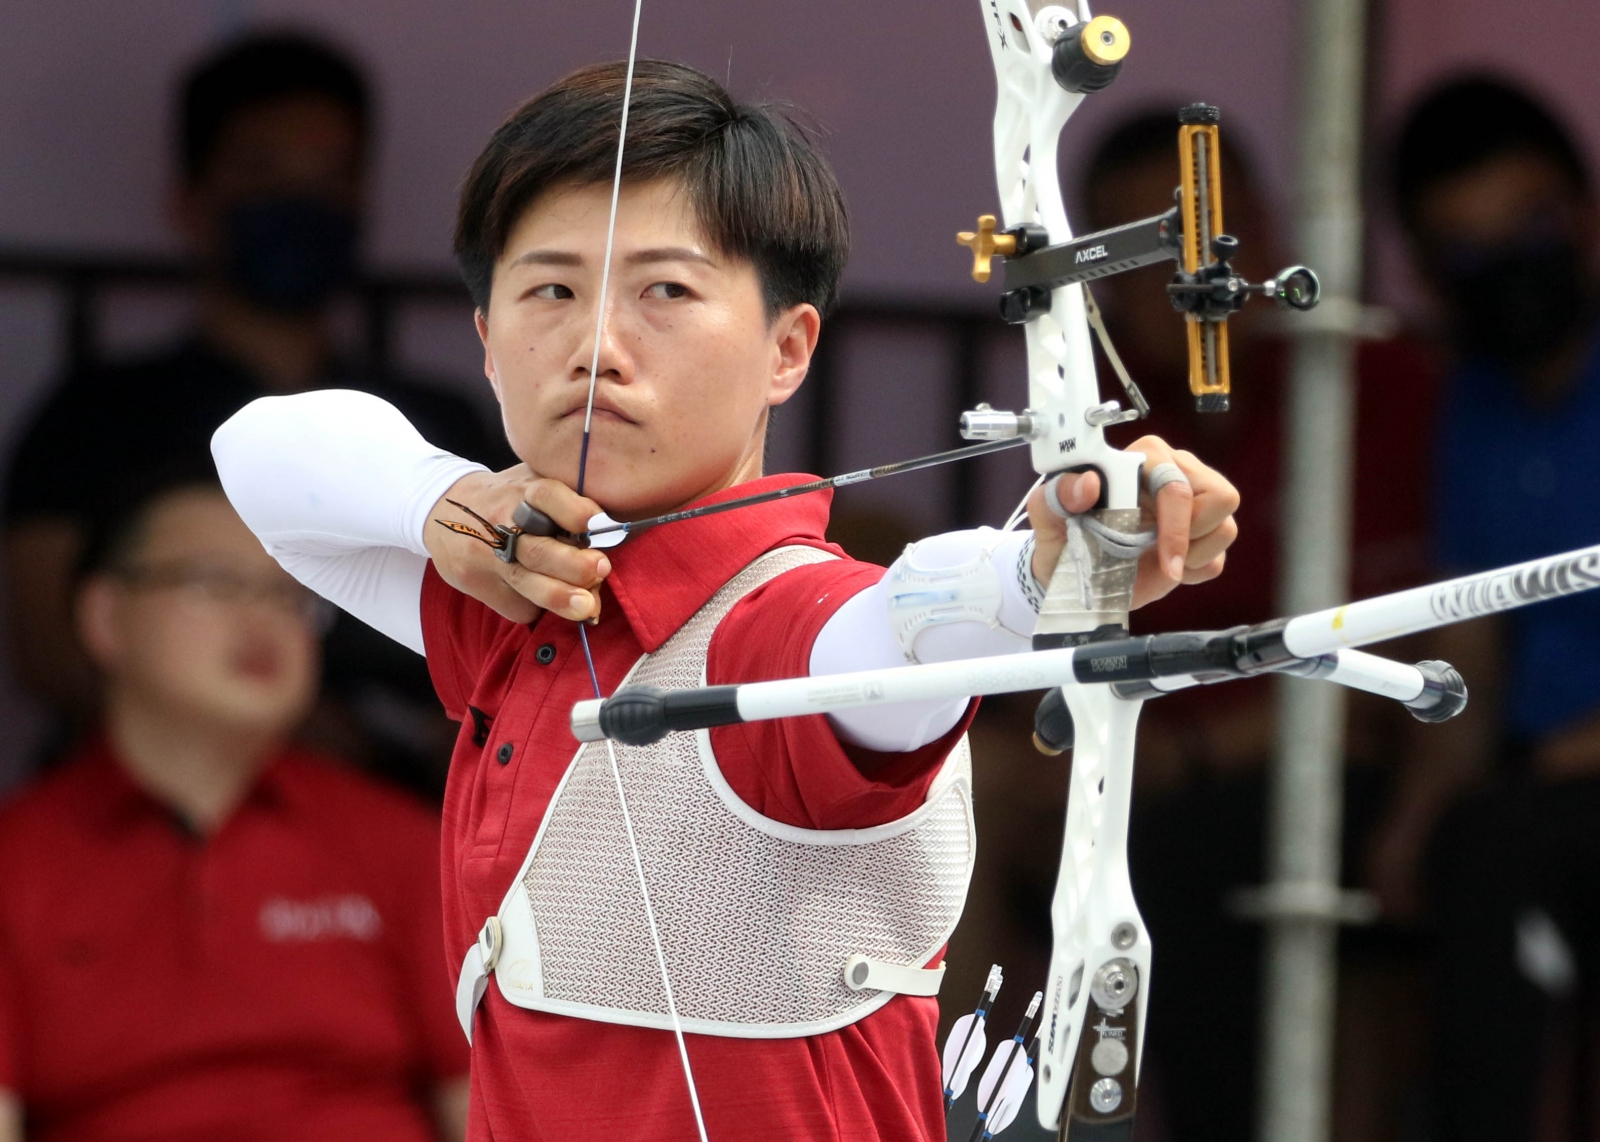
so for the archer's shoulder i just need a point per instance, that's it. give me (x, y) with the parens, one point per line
(799, 601)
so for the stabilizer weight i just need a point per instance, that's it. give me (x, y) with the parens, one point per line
(1052, 724)
(1444, 693)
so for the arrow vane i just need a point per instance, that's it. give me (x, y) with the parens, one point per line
(966, 1043)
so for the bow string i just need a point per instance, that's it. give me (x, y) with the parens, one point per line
(583, 630)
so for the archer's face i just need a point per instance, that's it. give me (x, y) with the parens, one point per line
(689, 362)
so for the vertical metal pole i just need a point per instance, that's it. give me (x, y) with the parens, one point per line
(1306, 794)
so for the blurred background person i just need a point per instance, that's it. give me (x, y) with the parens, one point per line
(1499, 209)
(274, 133)
(206, 932)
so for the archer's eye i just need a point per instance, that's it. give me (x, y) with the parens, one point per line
(553, 291)
(667, 290)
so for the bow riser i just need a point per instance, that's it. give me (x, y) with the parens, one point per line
(1092, 915)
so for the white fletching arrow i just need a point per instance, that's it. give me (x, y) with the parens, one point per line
(1013, 1089)
(967, 1041)
(1006, 1079)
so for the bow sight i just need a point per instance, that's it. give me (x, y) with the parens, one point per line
(1206, 289)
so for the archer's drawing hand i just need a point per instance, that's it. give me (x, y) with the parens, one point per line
(1194, 522)
(549, 574)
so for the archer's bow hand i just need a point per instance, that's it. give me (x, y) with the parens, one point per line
(1193, 520)
(478, 549)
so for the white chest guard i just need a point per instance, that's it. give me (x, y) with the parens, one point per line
(769, 931)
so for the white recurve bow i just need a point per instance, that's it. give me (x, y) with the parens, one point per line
(1046, 59)
(1100, 957)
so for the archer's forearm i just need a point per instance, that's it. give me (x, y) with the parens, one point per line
(985, 611)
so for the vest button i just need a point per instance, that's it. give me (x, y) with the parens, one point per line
(503, 754)
(546, 654)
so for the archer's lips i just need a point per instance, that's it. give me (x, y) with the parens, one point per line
(603, 410)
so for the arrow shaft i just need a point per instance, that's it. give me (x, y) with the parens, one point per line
(858, 477)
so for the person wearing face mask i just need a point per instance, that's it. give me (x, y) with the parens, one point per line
(1492, 838)
(273, 135)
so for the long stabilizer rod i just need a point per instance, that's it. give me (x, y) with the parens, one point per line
(1320, 644)
(639, 715)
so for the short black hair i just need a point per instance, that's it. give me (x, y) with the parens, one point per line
(259, 69)
(117, 518)
(1144, 135)
(759, 186)
(1463, 123)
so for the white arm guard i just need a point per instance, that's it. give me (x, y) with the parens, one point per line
(966, 594)
(919, 597)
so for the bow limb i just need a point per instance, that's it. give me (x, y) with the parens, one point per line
(1031, 109)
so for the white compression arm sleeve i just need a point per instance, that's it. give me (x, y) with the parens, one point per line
(337, 486)
(859, 637)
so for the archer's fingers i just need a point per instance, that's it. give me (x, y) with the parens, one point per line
(505, 602)
(552, 594)
(1203, 549)
(567, 508)
(1174, 508)
(1077, 491)
(576, 566)
(1207, 571)
(1215, 498)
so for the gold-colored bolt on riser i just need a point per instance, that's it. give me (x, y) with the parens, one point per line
(985, 244)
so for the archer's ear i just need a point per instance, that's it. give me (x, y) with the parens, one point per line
(481, 321)
(795, 334)
(98, 628)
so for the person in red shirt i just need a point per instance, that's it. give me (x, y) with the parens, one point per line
(719, 897)
(206, 932)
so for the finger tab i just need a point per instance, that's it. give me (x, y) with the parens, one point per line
(531, 521)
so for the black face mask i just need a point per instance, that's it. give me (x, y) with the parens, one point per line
(1516, 305)
(289, 254)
